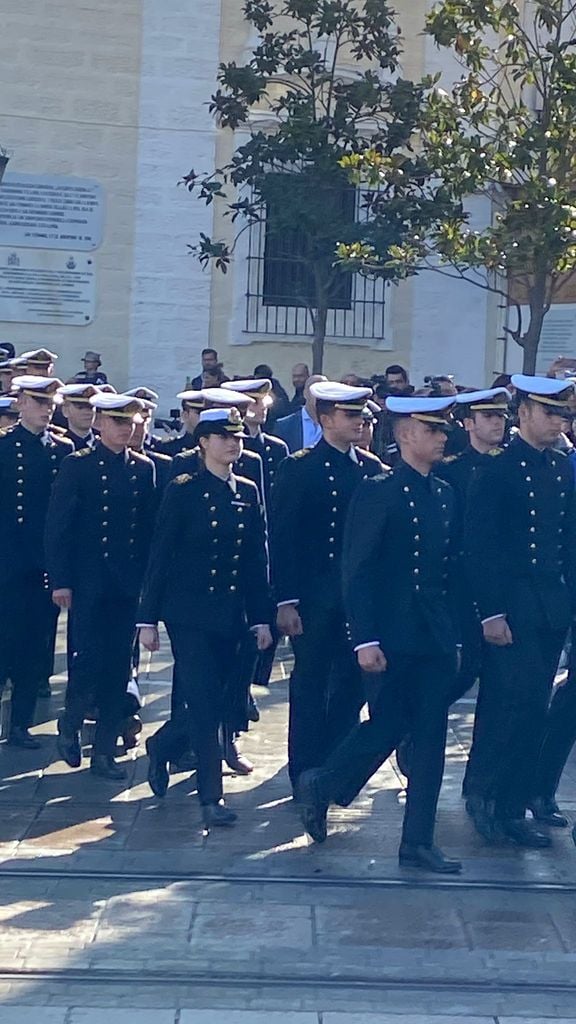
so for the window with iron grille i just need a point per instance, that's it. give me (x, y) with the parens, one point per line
(280, 286)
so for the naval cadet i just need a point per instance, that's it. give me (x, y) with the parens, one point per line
(9, 414)
(139, 443)
(249, 463)
(152, 443)
(30, 459)
(272, 451)
(98, 534)
(521, 551)
(79, 414)
(484, 416)
(192, 403)
(207, 579)
(312, 491)
(39, 362)
(398, 575)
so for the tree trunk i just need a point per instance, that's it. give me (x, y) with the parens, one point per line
(531, 338)
(318, 340)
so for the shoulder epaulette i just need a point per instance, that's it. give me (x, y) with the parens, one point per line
(303, 451)
(183, 478)
(56, 430)
(82, 453)
(158, 455)
(140, 456)
(449, 458)
(495, 451)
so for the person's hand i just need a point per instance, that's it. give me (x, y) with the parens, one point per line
(62, 597)
(263, 637)
(149, 638)
(372, 659)
(497, 632)
(288, 620)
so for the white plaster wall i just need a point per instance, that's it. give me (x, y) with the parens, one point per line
(170, 294)
(449, 322)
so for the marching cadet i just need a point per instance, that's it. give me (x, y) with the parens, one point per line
(250, 466)
(521, 550)
(151, 443)
(79, 413)
(484, 415)
(206, 579)
(39, 362)
(192, 405)
(30, 458)
(9, 369)
(8, 412)
(272, 451)
(312, 491)
(398, 584)
(139, 443)
(98, 534)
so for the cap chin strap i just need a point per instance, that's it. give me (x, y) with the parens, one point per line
(489, 407)
(349, 406)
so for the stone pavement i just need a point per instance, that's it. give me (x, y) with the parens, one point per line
(115, 906)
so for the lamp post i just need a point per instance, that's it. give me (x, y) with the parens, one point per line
(4, 158)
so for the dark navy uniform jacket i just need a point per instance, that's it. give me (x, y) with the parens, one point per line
(521, 538)
(100, 520)
(249, 466)
(208, 565)
(29, 464)
(312, 492)
(399, 563)
(272, 451)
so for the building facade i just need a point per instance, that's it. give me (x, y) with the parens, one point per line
(116, 91)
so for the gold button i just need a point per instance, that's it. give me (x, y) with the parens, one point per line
(104, 540)
(334, 509)
(531, 494)
(334, 493)
(240, 526)
(415, 520)
(532, 546)
(106, 554)
(532, 529)
(234, 572)
(212, 508)
(103, 477)
(532, 511)
(214, 524)
(559, 479)
(19, 494)
(238, 542)
(232, 589)
(327, 464)
(332, 525)
(20, 520)
(330, 540)
(131, 541)
(206, 495)
(100, 463)
(212, 572)
(105, 492)
(416, 587)
(331, 555)
(406, 490)
(416, 572)
(236, 557)
(105, 524)
(534, 561)
(105, 508)
(417, 537)
(19, 482)
(331, 479)
(211, 590)
(416, 554)
(19, 508)
(411, 504)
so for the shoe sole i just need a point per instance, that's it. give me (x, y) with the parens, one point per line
(426, 867)
(159, 791)
(311, 810)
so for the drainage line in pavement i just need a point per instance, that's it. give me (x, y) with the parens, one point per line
(187, 978)
(326, 881)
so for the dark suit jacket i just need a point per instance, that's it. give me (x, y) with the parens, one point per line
(208, 563)
(291, 430)
(520, 538)
(399, 564)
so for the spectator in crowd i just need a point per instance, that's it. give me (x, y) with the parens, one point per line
(7, 351)
(280, 401)
(214, 377)
(351, 379)
(301, 429)
(300, 374)
(441, 386)
(370, 415)
(91, 374)
(209, 358)
(396, 379)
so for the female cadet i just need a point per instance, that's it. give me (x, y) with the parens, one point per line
(207, 577)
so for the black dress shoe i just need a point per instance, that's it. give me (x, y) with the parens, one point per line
(68, 745)
(252, 711)
(106, 768)
(21, 738)
(482, 814)
(158, 777)
(188, 762)
(131, 731)
(547, 812)
(429, 858)
(218, 816)
(235, 760)
(313, 807)
(523, 833)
